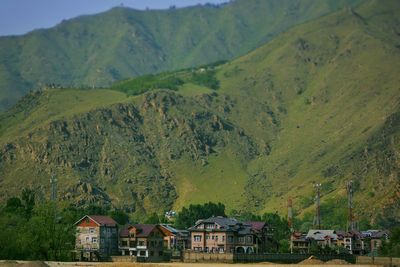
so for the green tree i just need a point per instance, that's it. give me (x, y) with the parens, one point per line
(188, 216)
(28, 198)
(392, 247)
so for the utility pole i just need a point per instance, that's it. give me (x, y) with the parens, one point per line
(290, 222)
(351, 225)
(317, 218)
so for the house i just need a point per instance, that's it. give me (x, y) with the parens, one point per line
(175, 239)
(352, 241)
(221, 235)
(145, 242)
(261, 232)
(374, 240)
(299, 243)
(323, 238)
(96, 238)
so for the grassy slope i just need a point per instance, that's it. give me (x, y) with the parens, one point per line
(313, 99)
(347, 92)
(129, 43)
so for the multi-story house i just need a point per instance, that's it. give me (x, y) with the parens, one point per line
(220, 235)
(299, 243)
(373, 240)
(96, 238)
(323, 238)
(145, 242)
(175, 239)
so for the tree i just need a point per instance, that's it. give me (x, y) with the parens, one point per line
(392, 247)
(28, 198)
(14, 205)
(188, 216)
(45, 236)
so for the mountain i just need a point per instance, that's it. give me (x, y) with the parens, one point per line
(318, 103)
(99, 49)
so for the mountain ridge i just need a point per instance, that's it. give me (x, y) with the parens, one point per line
(79, 53)
(319, 103)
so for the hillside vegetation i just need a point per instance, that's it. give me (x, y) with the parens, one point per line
(94, 51)
(318, 103)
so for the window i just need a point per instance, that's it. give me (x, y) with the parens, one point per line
(142, 253)
(230, 239)
(210, 226)
(108, 230)
(141, 243)
(249, 239)
(91, 230)
(223, 238)
(102, 240)
(123, 243)
(241, 239)
(216, 238)
(94, 239)
(151, 253)
(114, 231)
(87, 239)
(212, 237)
(197, 238)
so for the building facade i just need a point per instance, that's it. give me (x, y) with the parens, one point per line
(145, 242)
(96, 238)
(225, 235)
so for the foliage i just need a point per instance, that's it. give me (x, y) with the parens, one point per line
(40, 234)
(174, 149)
(188, 216)
(205, 78)
(149, 82)
(154, 218)
(392, 247)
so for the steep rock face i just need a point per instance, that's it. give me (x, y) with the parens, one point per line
(318, 104)
(119, 155)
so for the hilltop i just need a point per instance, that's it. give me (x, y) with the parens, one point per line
(318, 103)
(96, 50)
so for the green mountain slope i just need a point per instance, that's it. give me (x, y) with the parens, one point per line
(319, 103)
(97, 50)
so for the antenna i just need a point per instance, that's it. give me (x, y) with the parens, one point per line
(317, 218)
(53, 183)
(351, 224)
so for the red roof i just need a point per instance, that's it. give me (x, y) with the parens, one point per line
(100, 220)
(143, 230)
(257, 226)
(103, 220)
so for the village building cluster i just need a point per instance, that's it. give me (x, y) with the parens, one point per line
(99, 238)
(352, 242)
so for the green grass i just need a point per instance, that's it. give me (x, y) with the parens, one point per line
(78, 53)
(54, 105)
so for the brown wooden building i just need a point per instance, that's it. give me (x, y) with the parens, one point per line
(145, 242)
